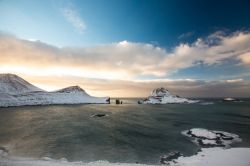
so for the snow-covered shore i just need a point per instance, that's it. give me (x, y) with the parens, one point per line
(15, 91)
(206, 157)
(216, 156)
(163, 96)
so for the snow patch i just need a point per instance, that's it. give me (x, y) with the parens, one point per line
(211, 138)
(216, 156)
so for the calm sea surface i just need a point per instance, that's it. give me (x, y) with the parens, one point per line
(130, 133)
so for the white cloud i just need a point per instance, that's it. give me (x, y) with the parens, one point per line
(123, 43)
(234, 80)
(117, 65)
(186, 35)
(124, 60)
(73, 17)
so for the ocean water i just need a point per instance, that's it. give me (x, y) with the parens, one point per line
(129, 133)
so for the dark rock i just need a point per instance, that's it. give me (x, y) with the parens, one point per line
(224, 137)
(108, 100)
(218, 144)
(99, 115)
(227, 138)
(4, 149)
(165, 159)
(117, 101)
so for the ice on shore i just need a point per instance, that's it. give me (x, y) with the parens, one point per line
(15, 91)
(211, 138)
(163, 96)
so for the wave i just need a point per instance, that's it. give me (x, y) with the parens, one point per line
(46, 161)
(206, 103)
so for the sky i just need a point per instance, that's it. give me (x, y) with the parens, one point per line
(126, 48)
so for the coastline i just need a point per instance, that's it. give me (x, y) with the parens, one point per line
(206, 157)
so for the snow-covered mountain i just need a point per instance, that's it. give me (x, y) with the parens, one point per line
(163, 96)
(12, 84)
(15, 91)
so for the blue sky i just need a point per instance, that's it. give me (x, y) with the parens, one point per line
(131, 40)
(159, 22)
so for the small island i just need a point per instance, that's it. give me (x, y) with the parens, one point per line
(163, 96)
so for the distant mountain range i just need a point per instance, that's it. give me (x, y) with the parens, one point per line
(15, 91)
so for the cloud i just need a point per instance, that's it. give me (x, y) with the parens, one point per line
(245, 58)
(234, 80)
(214, 49)
(113, 69)
(186, 35)
(73, 17)
(123, 60)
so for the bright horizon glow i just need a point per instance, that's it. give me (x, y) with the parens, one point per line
(63, 71)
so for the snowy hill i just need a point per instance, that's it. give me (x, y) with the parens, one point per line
(163, 96)
(12, 84)
(15, 91)
(71, 89)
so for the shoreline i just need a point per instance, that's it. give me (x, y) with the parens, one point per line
(206, 157)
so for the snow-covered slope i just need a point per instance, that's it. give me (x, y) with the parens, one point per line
(15, 91)
(163, 96)
(12, 84)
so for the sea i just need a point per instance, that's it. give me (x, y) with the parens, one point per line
(117, 133)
